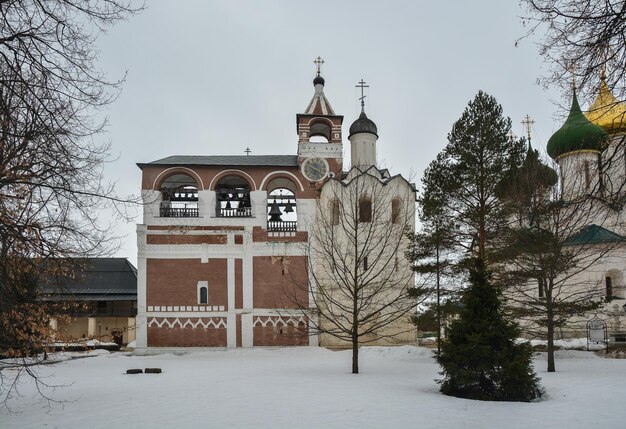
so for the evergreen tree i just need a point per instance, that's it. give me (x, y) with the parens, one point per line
(480, 359)
(460, 185)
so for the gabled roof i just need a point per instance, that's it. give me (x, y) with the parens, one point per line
(94, 279)
(594, 234)
(227, 160)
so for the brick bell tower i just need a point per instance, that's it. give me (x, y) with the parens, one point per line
(320, 147)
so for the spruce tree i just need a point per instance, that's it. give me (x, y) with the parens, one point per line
(480, 359)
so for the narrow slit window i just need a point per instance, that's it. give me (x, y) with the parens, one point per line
(334, 212)
(395, 211)
(587, 174)
(365, 264)
(609, 289)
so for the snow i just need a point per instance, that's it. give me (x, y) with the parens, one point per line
(307, 388)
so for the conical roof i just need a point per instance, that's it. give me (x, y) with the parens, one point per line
(577, 133)
(607, 112)
(319, 104)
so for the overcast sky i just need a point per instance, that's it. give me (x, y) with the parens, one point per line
(213, 77)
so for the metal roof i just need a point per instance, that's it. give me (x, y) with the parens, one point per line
(594, 234)
(227, 160)
(96, 277)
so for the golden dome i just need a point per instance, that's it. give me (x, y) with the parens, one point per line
(607, 112)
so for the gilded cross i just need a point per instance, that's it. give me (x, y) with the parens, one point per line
(318, 62)
(362, 85)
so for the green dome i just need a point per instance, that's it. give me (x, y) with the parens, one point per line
(577, 133)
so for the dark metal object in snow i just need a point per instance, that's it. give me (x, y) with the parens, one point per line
(596, 332)
(134, 371)
(153, 371)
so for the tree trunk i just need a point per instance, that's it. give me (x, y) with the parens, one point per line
(550, 317)
(355, 354)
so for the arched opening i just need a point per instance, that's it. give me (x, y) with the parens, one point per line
(282, 210)
(320, 130)
(180, 196)
(233, 197)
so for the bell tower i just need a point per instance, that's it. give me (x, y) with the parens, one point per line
(319, 128)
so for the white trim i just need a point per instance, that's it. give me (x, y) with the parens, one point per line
(281, 172)
(221, 174)
(172, 168)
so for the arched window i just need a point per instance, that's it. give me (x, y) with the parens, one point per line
(180, 196)
(282, 210)
(365, 209)
(203, 292)
(396, 208)
(614, 284)
(233, 197)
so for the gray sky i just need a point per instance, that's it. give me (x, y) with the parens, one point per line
(212, 77)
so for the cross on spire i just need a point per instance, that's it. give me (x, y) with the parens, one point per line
(362, 85)
(527, 122)
(318, 62)
(247, 151)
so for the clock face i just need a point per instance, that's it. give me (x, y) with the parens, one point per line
(315, 169)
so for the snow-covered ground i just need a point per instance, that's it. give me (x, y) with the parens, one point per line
(307, 388)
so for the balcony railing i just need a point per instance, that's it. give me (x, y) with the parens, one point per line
(282, 226)
(236, 212)
(167, 211)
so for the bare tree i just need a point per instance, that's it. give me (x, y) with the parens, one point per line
(361, 285)
(51, 186)
(588, 33)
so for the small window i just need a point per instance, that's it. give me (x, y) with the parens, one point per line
(203, 292)
(365, 210)
(365, 264)
(395, 210)
(540, 289)
(587, 174)
(609, 289)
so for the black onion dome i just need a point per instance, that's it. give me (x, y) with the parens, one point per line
(319, 80)
(363, 125)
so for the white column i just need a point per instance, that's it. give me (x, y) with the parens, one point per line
(91, 327)
(231, 321)
(54, 326)
(141, 321)
(246, 330)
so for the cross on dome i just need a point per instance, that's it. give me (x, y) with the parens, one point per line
(362, 84)
(318, 63)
